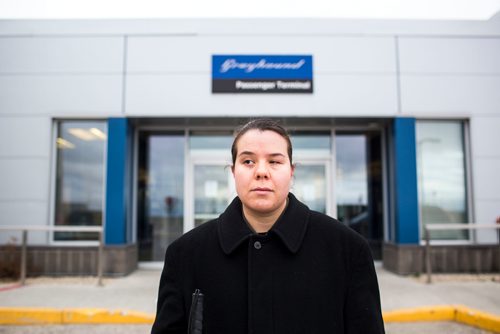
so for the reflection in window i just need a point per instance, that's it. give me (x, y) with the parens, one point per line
(79, 176)
(309, 185)
(352, 181)
(311, 141)
(210, 140)
(212, 191)
(441, 176)
(160, 192)
(307, 145)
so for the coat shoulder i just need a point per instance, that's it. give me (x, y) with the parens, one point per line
(328, 227)
(206, 232)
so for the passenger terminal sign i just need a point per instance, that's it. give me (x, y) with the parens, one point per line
(262, 74)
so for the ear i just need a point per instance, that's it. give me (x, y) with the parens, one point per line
(293, 169)
(232, 169)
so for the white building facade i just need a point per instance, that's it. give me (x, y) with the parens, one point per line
(115, 123)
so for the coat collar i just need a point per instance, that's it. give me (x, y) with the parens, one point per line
(290, 227)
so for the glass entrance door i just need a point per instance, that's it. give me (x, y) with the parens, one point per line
(359, 187)
(160, 192)
(310, 185)
(184, 179)
(213, 190)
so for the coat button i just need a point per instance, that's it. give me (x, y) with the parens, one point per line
(257, 245)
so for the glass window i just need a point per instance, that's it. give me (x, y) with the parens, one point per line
(359, 185)
(310, 144)
(212, 181)
(311, 141)
(160, 192)
(80, 176)
(352, 180)
(201, 140)
(210, 145)
(309, 185)
(441, 176)
(212, 191)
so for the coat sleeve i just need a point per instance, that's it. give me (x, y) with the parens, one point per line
(170, 312)
(362, 311)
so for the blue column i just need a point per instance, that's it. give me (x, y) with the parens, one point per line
(406, 191)
(116, 182)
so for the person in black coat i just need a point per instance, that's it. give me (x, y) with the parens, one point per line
(268, 264)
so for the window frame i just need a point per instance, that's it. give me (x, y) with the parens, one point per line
(53, 187)
(467, 183)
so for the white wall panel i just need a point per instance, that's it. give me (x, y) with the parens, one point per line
(24, 179)
(486, 179)
(450, 55)
(190, 95)
(81, 95)
(193, 54)
(485, 144)
(61, 54)
(486, 213)
(450, 95)
(25, 136)
(485, 136)
(24, 213)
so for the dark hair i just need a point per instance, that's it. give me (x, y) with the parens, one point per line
(261, 124)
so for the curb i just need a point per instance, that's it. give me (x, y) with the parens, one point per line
(39, 316)
(457, 313)
(45, 316)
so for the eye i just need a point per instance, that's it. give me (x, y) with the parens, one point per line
(247, 162)
(275, 162)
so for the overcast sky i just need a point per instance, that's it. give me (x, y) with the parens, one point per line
(392, 9)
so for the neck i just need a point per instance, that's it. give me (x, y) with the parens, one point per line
(262, 222)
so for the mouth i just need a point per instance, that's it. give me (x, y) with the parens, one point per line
(262, 189)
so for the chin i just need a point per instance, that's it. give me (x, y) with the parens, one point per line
(263, 207)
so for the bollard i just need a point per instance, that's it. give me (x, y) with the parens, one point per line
(428, 255)
(24, 257)
(100, 260)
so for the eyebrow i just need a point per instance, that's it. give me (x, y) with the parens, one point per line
(251, 153)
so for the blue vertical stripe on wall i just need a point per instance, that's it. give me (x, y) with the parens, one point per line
(116, 199)
(406, 192)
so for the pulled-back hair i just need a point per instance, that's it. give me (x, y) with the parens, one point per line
(261, 124)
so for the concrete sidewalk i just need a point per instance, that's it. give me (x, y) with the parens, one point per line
(476, 292)
(137, 292)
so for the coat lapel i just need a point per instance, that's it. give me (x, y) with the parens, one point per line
(290, 227)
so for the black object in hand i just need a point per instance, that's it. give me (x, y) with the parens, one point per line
(195, 324)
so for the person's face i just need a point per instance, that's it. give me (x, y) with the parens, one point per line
(262, 172)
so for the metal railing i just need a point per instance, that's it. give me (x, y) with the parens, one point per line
(85, 229)
(442, 227)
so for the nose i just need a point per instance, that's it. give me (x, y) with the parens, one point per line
(261, 172)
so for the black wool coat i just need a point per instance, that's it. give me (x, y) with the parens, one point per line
(308, 274)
